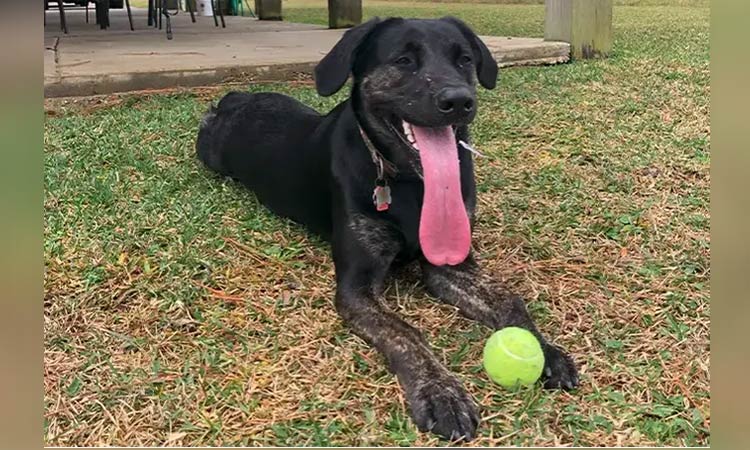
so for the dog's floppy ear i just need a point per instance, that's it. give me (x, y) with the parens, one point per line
(485, 63)
(333, 70)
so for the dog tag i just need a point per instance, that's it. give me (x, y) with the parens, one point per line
(381, 196)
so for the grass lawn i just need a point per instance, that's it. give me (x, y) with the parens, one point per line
(179, 311)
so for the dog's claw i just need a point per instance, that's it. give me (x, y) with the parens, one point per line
(559, 370)
(442, 406)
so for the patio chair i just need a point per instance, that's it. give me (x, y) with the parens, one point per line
(216, 4)
(61, 8)
(102, 12)
(158, 9)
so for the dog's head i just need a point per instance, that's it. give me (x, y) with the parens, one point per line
(414, 92)
(421, 72)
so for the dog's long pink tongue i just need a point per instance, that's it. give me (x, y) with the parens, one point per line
(444, 231)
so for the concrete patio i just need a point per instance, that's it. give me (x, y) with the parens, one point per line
(90, 61)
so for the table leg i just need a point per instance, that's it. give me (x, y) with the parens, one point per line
(63, 22)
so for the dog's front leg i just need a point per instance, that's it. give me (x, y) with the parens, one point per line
(437, 400)
(481, 298)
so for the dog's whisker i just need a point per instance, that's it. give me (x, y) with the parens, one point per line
(471, 149)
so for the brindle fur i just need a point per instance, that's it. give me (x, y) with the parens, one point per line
(484, 299)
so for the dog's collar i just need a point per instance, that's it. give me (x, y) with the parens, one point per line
(381, 195)
(382, 165)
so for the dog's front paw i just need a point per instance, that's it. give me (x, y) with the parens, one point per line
(559, 369)
(442, 405)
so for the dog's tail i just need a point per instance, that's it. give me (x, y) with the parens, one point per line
(206, 145)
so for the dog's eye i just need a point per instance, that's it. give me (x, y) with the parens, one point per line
(464, 59)
(404, 61)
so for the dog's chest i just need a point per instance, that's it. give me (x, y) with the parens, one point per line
(404, 212)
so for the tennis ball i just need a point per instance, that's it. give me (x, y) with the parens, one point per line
(512, 357)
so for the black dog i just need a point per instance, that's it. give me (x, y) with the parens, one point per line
(388, 178)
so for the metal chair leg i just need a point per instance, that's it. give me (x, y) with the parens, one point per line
(221, 14)
(130, 15)
(167, 18)
(213, 11)
(189, 5)
(63, 22)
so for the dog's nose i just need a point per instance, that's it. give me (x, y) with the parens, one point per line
(455, 100)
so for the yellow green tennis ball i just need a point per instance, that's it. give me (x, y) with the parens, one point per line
(512, 357)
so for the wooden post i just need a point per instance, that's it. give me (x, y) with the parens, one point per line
(268, 9)
(344, 13)
(585, 24)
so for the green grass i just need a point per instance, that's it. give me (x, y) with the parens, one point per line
(179, 311)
